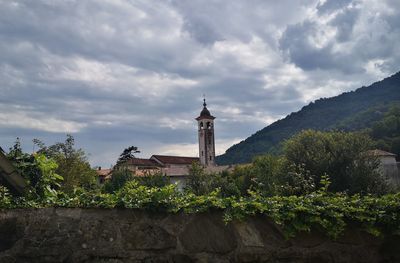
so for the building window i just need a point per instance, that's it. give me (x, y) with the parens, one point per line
(210, 158)
(202, 153)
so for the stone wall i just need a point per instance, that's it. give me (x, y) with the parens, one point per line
(120, 235)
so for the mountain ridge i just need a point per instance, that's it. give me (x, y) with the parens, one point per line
(333, 110)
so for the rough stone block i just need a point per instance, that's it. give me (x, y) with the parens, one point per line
(205, 233)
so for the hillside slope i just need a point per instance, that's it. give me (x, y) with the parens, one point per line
(363, 105)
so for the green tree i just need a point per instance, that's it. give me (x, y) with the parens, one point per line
(72, 163)
(118, 179)
(49, 180)
(244, 177)
(273, 175)
(266, 171)
(127, 154)
(387, 131)
(342, 156)
(201, 183)
(197, 182)
(153, 180)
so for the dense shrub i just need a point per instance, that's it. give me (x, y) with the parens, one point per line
(272, 175)
(118, 180)
(201, 183)
(122, 176)
(133, 195)
(153, 180)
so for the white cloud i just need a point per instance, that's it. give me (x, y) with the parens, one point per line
(24, 121)
(374, 68)
(192, 149)
(184, 149)
(251, 55)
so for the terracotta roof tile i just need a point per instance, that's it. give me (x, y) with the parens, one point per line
(142, 162)
(103, 172)
(166, 159)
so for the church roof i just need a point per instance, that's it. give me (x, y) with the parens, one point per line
(142, 162)
(167, 159)
(205, 113)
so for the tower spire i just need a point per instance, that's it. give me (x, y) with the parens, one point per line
(204, 100)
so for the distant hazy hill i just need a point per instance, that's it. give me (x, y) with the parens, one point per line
(349, 111)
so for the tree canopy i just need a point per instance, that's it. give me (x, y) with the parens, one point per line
(127, 154)
(343, 156)
(72, 163)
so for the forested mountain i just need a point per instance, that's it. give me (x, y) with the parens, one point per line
(362, 109)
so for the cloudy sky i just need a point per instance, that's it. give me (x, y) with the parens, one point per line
(116, 73)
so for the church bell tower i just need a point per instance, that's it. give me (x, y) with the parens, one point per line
(206, 137)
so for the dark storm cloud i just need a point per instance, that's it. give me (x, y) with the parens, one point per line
(119, 73)
(303, 51)
(219, 20)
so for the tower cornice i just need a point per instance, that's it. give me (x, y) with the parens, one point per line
(205, 118)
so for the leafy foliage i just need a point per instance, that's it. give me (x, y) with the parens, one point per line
(307, 157)
(39, 171)
(133, 195)
(341, 155)
(122, 175)
(201, 183)
(153, 180)
(72, 163)
(24, 163)
(127, 154)
(119, 178)
(49, 179)
(387, 131)
(273, 175)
